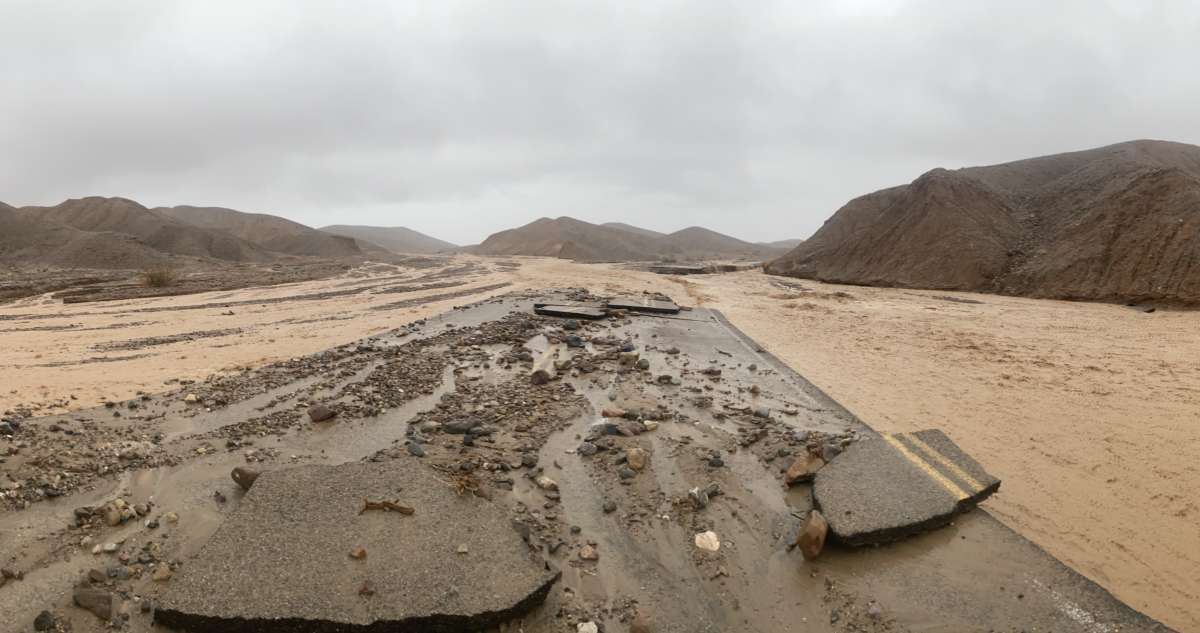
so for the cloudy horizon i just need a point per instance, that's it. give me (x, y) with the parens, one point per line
(464, 118)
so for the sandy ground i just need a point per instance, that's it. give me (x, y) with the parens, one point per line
(1088, 412)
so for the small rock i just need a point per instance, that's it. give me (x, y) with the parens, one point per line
(98, 601)
(811, 539)
(587, 552)
(762, 412)
(609, 507)
(171, 517)
(460, 427)
(529, 460)
(626, 472)
(715, 462)
(546, 483)
(462, 549)
(830, 451)
(244, 477)
(358, 553)
(44, 621)
(162, 572)
(587, 627)
(874, 611)
(650, 425)
(191, 398)
(612, 412)
(571, 324)
(640, 624)
(414, 449)
(643, 364)
(708, 541)
(803, 469)
(636, 458)
(109, 548)
(320, 412)
(587, 449)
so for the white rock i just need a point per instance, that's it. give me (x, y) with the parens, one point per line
(587, 627)
(546, 483)
(708, 541)
(191, 398)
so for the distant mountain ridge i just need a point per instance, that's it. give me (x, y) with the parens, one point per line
(269, 232)
(102, 232)
(568, 238)
(1119, 223)
(397, 239)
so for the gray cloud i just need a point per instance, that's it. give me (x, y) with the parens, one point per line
(461, 118)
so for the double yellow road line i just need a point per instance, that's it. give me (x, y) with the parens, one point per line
(927, 459)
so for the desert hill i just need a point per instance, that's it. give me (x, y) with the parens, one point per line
(150, 227)
(569, 238)
(784, 245)
(634, 229)
(25, 238)
(1120, 223)
(397, 239)
(269, 232)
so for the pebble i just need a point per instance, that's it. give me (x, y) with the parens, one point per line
(44, 621)
(97, 601)
(587, 627)
(244, 477)
(571, 324)
(587, 552)
(626, 472)
(171, 517)
(811, 539)
(462, 549)
(643, 364)
(708, 541)
(415, 449)
(162, 572)
(587, 449)
(320, 412)
(110, 547)
(803, 469)
(636, 458)
(609, 507)
(191, 398)
(546, 483)
(358, 553)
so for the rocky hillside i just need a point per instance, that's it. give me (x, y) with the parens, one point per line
(149, 227)
(269, 232)
(569, 238)
(1117, 223)
(397, 239)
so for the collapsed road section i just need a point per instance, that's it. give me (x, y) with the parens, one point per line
(634, 472)
(374, 546)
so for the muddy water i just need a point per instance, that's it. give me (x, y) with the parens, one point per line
(964, 578)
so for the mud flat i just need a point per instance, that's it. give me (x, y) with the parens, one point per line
(1086, 411)
(597, 471)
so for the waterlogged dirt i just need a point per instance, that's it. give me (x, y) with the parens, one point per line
(991, 371)
(649, 432)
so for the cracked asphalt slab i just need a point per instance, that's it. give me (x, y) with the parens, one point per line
(285, 560)
(894, 486)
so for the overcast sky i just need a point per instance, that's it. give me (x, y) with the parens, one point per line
(462, 118)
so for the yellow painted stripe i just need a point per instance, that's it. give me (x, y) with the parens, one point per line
(950, 486)
(954, 469)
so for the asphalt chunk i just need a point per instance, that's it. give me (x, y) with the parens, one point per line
(897, 485)
(279, 562)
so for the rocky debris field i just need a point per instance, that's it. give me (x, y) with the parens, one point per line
(660, 466)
